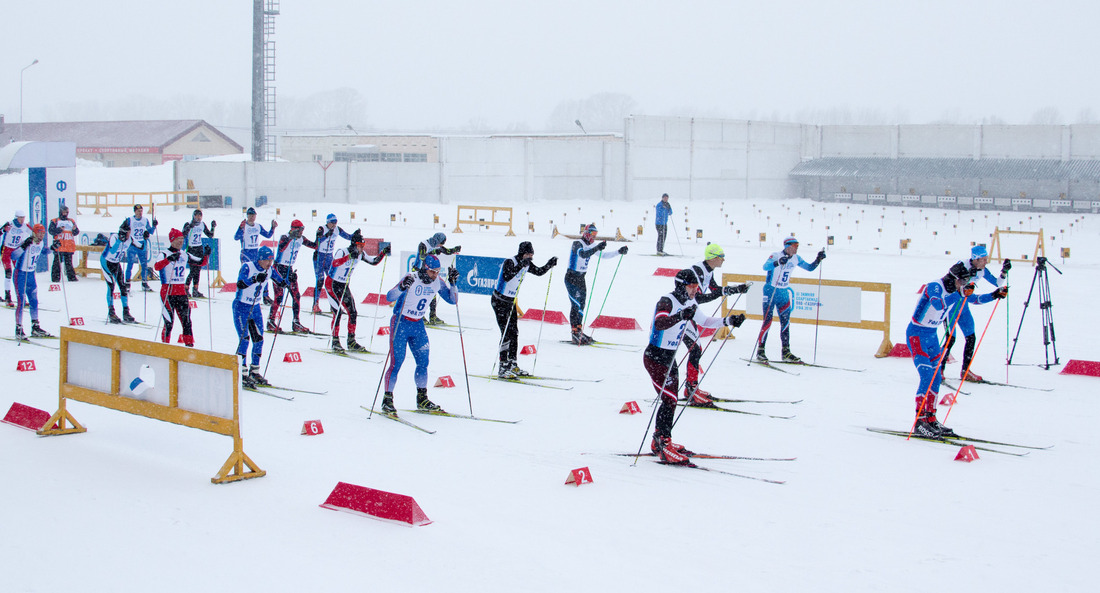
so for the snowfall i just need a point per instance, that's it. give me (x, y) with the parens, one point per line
(129, 505)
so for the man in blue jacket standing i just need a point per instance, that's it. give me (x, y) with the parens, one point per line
(663, 212)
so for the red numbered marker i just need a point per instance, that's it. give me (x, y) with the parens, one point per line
(383, 331)
(312, 428)
(25, 365)
(292, 357)
(528, 349)
(579, 476)
(76, 321)
(444, 381)
(948, 399)
(55, 287)
(630, 408)
(193, 304)
(967, 454)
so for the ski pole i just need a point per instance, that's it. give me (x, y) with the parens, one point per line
(595, 275)
(763, 318)
(462, 343)
(701, 377)
(678, 245)
(389, 355)
(271, 351)
(507, 324)
(939, 365)
(542, 322)
(377, 305)
(967, 371)
(660, 394)
(210, 308)
(65, 295)
(817, 319)
(609, 285)
(1008, 331)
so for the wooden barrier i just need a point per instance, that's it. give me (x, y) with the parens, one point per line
(883, 326)
(91, 371)
(995, 246)
(104, 201)
(81, 266)
(474, 212)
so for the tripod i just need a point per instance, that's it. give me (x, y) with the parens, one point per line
(1043, 279)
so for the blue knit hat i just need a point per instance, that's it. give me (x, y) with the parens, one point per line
(978, 251)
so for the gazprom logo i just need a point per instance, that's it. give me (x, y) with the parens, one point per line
(473, 280)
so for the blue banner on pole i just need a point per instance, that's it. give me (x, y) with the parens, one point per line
(477, 275)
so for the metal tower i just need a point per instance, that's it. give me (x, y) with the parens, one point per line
(263, 78)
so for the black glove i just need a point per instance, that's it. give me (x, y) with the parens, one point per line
(820, 256)
(736, 289)
(353, 250)
(259, 277)
(174, 257)
(27, 242)
(688, 312)
(55, 245)
(205, 250)
(1005, 267)
(1000, 293)
(320, 231)
(457, 249)
(274, 224)
(406, 282)
(735, 320)
(552, 261)
(155, 223)
(784, 259)
(385, 251)
(623, 250)
(452, 275)
(601, 246)
(213, 224)
(145, 235)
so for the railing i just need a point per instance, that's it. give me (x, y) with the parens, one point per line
(104, 201)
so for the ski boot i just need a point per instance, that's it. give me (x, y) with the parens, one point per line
(433, 320)
(970, 376)
(271, 327)
(111, 316)
(387, 404)
(297, 327)
(354, 346)
(145, 286)
(126, 317)
(196, 294)
(316, 308)
(38, 332)
(696, 396)
(423, 403)
(336, 347)
(506, 372)
(254, 374)
(7, 298)
(669, 452)
(789, 357)
(518, 371)
(19, 333)
(760, 356)
(246, 380)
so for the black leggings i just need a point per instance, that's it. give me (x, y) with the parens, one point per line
(508, 322)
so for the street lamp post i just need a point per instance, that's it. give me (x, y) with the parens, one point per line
(21, 97)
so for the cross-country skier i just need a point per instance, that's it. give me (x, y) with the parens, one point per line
(938, 303)
(664, 210)
(322, 257)
(248, 317)
(779, 296)
(285, 256)
(411, 297)
(575, 284)
(433, 245)
(673, 313)
(172, 265)
(976, 267)
(249, 234)
(139, 228)
(111, 263)
(193, 230)
(503, 301)
(63, 229)
(340, 298)
(713, 258)
(26, 284)
(15, 232)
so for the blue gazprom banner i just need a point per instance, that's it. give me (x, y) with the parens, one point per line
(477, 275)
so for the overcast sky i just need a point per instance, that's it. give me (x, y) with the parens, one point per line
(442, 63)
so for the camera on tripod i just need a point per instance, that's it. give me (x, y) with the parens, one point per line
(1042, 278)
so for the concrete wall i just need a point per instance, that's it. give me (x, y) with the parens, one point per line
(951, 141)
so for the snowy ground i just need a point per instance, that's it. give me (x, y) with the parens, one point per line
(128, 506)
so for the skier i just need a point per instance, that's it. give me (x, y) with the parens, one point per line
(249, 233)
(575, 285)
(410, 298)
(15, 232)
(172, 265)
(193, 230)
(934, 307)
(285, 256)
(26, 285)
(138, 228)
(713, 258)
(63, 229)
(111, 262)
(503, 301)
(779, 296)
(340, 298)
(433, 245)
(976, 267)
(322, 256)
(673, 313)
(664, 210)
(248, 318)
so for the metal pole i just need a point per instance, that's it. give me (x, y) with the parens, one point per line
(21, 97)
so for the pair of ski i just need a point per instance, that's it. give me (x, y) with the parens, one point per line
(607, 345)
(401, 420)
(265, 390)
(693, 465)
(360, 356)
(135, 323)
(717, 408)
(32, 340)
(998, 384)
(530, 380)
(960, 440)
(771, 365)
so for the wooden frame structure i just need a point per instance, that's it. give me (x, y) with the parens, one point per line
(995, 246)
(106, 200)
(883, 326)
(237, 467)
(474, 211)
(82, 268)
